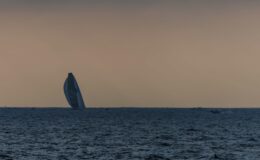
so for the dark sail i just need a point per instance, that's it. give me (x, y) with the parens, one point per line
(72, 93)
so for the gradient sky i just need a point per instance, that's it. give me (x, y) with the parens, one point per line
(147, 53)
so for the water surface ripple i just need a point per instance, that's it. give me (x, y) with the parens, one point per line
(145, 134)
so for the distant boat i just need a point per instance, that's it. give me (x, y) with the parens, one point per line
(72, 93)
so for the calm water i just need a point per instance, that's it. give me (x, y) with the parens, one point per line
(148, 134)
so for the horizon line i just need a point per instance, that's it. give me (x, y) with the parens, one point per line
(126, 107)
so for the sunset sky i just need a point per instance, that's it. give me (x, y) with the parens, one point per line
(143, 53)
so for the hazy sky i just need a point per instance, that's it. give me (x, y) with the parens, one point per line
(153, 53)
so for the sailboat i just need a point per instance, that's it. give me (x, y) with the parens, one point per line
(72, 93)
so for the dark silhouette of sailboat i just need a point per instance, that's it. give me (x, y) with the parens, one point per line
(72, 93)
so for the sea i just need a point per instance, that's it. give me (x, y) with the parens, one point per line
(129, 134)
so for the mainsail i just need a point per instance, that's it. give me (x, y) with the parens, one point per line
(72, 93)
